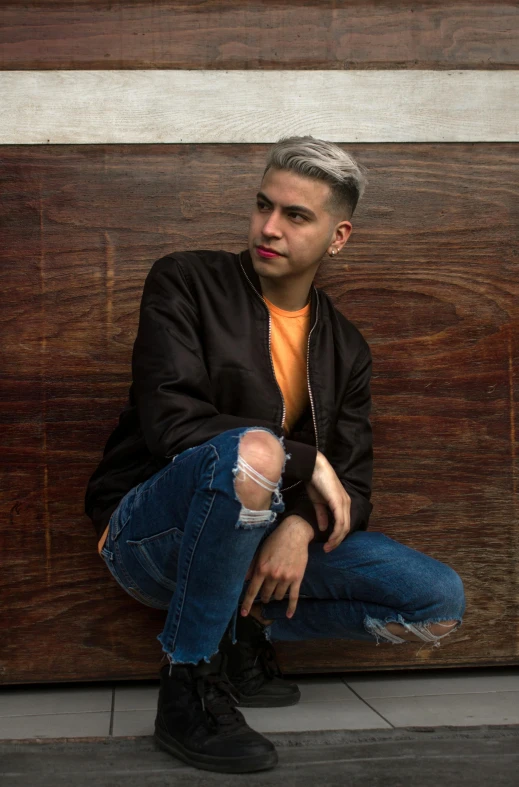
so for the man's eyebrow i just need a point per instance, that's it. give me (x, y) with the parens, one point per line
(261, 195)
(288, 208)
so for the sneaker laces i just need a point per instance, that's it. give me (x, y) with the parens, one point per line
(218, 701)
(267, 657)
(259, 664)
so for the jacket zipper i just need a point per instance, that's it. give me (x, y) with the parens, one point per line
(270, 351)
(273, 369)
(308, 378)
(312, 407)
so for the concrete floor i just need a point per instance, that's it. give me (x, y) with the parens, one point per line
(450, 757)
(447, 727)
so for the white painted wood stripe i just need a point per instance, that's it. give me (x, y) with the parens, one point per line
(157, 106)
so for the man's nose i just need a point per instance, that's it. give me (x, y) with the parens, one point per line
(272, 228)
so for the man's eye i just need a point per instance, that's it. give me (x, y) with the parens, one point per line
(297, 216)
(262, 206)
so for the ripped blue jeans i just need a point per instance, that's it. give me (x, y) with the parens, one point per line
(182, 541)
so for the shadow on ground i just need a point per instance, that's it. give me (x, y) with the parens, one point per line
(425, 757)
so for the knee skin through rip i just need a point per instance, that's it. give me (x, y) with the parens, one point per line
(436, 629)
(264, 455)
(398, 633)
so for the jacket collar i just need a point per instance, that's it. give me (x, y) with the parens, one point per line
(248, 268)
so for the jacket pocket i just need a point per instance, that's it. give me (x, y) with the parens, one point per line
(158, 556)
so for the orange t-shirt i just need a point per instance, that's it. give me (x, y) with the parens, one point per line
(288, 345)
(102, 539)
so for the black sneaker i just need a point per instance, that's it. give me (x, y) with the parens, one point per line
(198, 722)
(253, 670)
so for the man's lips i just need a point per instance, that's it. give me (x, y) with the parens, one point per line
(264, 251)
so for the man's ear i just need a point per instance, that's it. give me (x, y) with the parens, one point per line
(341, 234)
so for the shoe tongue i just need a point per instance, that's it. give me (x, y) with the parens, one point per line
(252, 630)
(204, 668)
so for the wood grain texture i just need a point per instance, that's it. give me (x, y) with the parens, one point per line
(430, 277)
(260, 34)
(101, 107)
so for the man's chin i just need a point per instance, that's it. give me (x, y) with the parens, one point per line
(266, 269)
(267, 266)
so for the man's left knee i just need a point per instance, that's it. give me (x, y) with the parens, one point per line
(427, 632)
(442, 615)
(450, 595)
(439, 629)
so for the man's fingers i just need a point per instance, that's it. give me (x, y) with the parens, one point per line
(250, 571)
(281, 591)
(294, 597)
(340, 530)
(252, 592)
(338, 514)
(322, 516)
(267, 590)
(334, 541)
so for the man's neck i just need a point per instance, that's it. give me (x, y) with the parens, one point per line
(290, 296)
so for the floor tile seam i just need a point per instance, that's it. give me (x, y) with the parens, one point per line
(112, 713)
(134, 710)
(443, 694)
(374, 710)
(48, 689)
(48, 715)
(343, 700)
(460, 679)
(484, 689)
(350, 700)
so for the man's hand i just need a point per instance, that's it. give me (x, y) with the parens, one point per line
(280, 564)
(326, 489)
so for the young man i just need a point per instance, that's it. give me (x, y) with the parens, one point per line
(234, 493)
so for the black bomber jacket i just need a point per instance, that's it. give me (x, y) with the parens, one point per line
(201, 365)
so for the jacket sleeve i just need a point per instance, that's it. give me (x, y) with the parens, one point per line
(350, 454)
(172, 389)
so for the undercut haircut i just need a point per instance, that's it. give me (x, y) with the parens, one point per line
(321, 160)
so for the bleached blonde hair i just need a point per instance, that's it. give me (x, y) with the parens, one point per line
(322, 160)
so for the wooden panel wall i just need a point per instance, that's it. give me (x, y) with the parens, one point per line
(302, 34)
(429, 276)
(161, 106)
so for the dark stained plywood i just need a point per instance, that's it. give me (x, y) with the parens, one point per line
(429, 276)
(261, 34)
